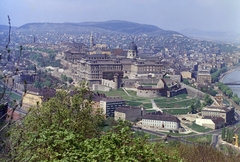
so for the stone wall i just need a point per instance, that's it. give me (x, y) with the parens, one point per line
(148, 93)
(98, 87)
(192, 91)
(177, 92)
(108, 83)
(132, 82)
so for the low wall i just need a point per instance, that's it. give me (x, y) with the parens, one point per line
(192, 91)
(98, 87)
(148, 93)
(131, 82)
(108, 83)
(177, 92)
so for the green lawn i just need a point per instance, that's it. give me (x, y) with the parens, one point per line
(13, 96)
(132, 100)
(164, 102)
(176, 111)
(198, 128)
(204, 139)
(178, 134)
(132, 93)
(174, 102)
(149, 111)
(143, 134)
(133, 103)
(147, 105)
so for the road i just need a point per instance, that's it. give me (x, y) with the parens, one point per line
(126, 92)
(163, 135)
(214, 141)
(154, 106)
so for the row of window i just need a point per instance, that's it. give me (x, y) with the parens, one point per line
(157, 121)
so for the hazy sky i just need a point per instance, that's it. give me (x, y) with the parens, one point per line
(211, 15)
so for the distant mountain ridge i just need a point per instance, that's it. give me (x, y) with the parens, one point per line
(6, 27)
(113, 25)
(211, 35)
(122, 26)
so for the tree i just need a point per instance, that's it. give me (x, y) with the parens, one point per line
(69, 79)
(185, 81)
(198, 105)
(192, 109)
(52, 56)
(64, 77)
(54, 130)
(66, 128)
(122, 146)
(207, 100)
(229, 93)
(224, 133)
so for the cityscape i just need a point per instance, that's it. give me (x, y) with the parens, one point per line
(118, 91)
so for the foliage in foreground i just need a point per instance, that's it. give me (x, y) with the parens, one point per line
(66, 128)
(49, 131)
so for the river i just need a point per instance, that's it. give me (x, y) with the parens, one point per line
(233, 76)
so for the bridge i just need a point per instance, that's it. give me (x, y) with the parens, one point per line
(232, 83)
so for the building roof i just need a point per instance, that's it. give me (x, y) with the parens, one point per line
(162, 117)
(117, 51)
(112, 99)
(216, 120)
(125, 109)
(217, 108)
(148, 88)
(133, 46)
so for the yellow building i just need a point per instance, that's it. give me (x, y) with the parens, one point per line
(31, 99)
(35, 97)
(186, 75)
(100, 51)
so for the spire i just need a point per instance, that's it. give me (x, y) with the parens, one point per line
(91, 41)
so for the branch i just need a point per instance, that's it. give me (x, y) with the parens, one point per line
(9, 32)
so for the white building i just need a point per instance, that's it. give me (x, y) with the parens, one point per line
(160, 121)
(213, 123)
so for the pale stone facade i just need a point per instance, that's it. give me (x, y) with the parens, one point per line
(35, 97)
(204, 78)
(186, 75)
(129, 113)
(227, 113)
(214, 123)
(31, 99)
(160, 121)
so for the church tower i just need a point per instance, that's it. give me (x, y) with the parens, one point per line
(132, 51)
(91, 41)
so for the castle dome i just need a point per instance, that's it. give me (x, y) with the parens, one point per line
(133, 46)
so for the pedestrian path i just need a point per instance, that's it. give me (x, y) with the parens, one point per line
(126, 92)
(154, 106)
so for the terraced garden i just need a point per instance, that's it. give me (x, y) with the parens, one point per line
(175, 105)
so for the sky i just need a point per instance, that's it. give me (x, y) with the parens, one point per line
(206, 15)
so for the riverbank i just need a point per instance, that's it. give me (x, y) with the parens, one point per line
(232, 69)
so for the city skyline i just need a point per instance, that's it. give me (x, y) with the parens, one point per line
(207, 15)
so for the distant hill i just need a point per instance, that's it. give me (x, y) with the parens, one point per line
(5, 27)
(123, 26)
(211, 35)
(114, 25)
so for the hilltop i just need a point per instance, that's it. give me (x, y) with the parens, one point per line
(113, 25)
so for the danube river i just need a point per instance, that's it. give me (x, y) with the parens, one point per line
(233, 76)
